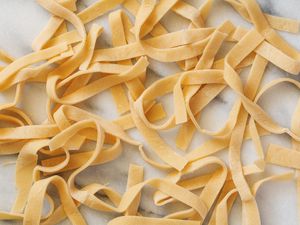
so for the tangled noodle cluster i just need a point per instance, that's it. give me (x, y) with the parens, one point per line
(74, 71)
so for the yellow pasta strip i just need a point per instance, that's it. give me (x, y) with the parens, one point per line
(5, 57)
(135, 176)
(48, 31)
(278, 23)
(198, 19)
(28, 132)
(269, 52)
(159, 146)
(52, 27)
(25, 165)
(118, 39)
(70, 37)
(91, 41)
(251, 215)
(206, 61)
(295, 144)
(33, 210)
(37, 73)
(97, 9)
(10, 71)
(136, 220)
(158, 12)
(99, 85)
(78, 159)
(168, 41)
(166, 85)
(209, 194)
(263, 27)
(284, 176)
(282, 156)
(62, 29)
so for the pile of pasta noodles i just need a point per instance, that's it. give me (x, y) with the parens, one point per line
(74, 71)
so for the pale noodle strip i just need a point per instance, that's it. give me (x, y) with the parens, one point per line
(20, 63)
(295, 128)
(48, 31)
(283, 156)
(135, 176)
(278, 23)
(133, 6)
(209, 194)
(284, 176)
(18, 113)
(62, 29)
(221, 216)
(91, 41)
(135, 86)
(269, 52)
(194, 183)
(70, 37)
(118, 38)
(189, 12)
(223, 207)
(162, 149)
(99, 85)
(198, 19)
(33, 210)
(118, 53)
(52, 27)
(227, 188)
(78, 194)
(78, 159)
(97, 9)
(263, 27)
(90, 13)
(137, 220)
(200, 100)
(28, 132)
(38, 73)
(5, 57)
(24, 173)
(158, 12)
(251, 215)
(205, 62)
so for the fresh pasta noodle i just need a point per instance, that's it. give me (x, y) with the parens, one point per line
(74, 70)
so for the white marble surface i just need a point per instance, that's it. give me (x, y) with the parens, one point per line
(21, 21)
